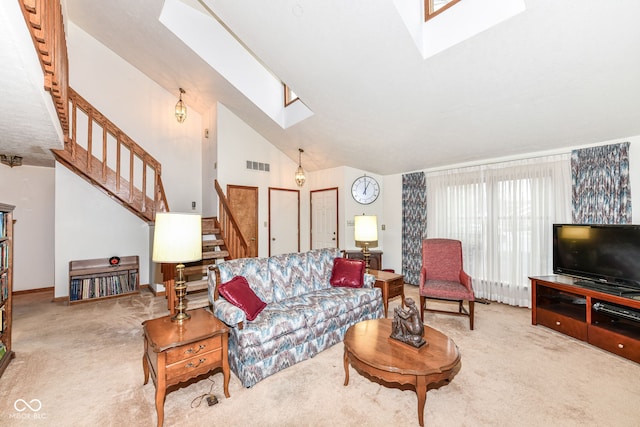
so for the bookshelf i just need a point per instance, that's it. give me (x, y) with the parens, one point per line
(96, 279)
(6, 284)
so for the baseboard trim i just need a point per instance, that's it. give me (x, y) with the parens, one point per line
(153, 291)
(65, 299)
(32, 291)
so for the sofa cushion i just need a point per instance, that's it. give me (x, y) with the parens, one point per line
(320, 266)
(238, 293)
(289, 275)
(347, 273)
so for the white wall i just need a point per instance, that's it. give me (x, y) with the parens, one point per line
(31, 190)
(145, 112)
(91, 225)
(393, 196)
(353, 208)
(209, 162)
(237, 143)
(392, 257)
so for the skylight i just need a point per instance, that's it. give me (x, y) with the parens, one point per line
(435, 7)
(289, 95)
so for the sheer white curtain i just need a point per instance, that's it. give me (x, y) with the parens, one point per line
(503, 214)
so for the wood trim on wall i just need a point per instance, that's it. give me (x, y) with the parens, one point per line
(33, 291)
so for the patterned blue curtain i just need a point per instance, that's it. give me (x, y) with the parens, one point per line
(414, 222)
(601, 190)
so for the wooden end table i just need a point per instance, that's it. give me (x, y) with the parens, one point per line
(392, 286)
(175, 353)
(369, 349)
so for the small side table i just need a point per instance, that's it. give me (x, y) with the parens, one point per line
(392, 286)
(176, 353)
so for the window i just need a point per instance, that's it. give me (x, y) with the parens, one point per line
(503, 215)
(289, 96)
(435, 7)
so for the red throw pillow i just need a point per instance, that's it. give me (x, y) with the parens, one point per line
(347, 273)
(238, 293)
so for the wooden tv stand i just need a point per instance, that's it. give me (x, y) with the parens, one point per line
(560, 303)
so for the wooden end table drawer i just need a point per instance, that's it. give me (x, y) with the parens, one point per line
(567, 325)
(396, 288)
(189, 350)
(194, 366)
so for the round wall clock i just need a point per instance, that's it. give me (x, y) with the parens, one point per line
(365, 190)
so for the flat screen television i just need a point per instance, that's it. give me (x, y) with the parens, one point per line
(606, 256)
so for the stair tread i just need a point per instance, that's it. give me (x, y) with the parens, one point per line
(197, 285)
(212, 242)
(215, 254)
(198, 300)
(196, 269)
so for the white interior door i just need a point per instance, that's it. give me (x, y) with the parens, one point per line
(284, 221)
(324, 219)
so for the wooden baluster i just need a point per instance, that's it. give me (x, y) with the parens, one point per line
(131, 159)
(118, 154)
(104, 154)
(73, 131)
(144, 185)
(89, 141)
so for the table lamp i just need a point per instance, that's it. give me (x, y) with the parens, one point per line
(178, 239)
(366, 235)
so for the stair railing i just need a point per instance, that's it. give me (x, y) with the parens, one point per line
(103, 154)
(45, 23)
(233, 238)
(115, 164)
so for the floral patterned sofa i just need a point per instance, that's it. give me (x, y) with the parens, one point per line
(304, 313)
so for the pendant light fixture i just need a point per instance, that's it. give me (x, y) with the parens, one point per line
(181, 109)
(11, 160)
(300, 178)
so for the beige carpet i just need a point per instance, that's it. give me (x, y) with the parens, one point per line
(83, 363)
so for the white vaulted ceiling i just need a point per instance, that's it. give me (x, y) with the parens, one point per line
(558, 74)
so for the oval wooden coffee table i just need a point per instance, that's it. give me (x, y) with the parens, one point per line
(369, 349)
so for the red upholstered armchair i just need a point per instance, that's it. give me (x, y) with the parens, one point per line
(442, 277)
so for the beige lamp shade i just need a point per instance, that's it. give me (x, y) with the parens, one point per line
(366, 230)
(177, 238)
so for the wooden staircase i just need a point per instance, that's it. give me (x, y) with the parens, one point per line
(115, 163)
(213, 249)
(221, 240)
(98, 151)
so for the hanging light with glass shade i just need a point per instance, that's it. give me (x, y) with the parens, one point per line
(300, 178)
(181, 109)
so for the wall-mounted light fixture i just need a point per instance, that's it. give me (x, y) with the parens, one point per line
(11, 160)
(181, 109)
(300, 178)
